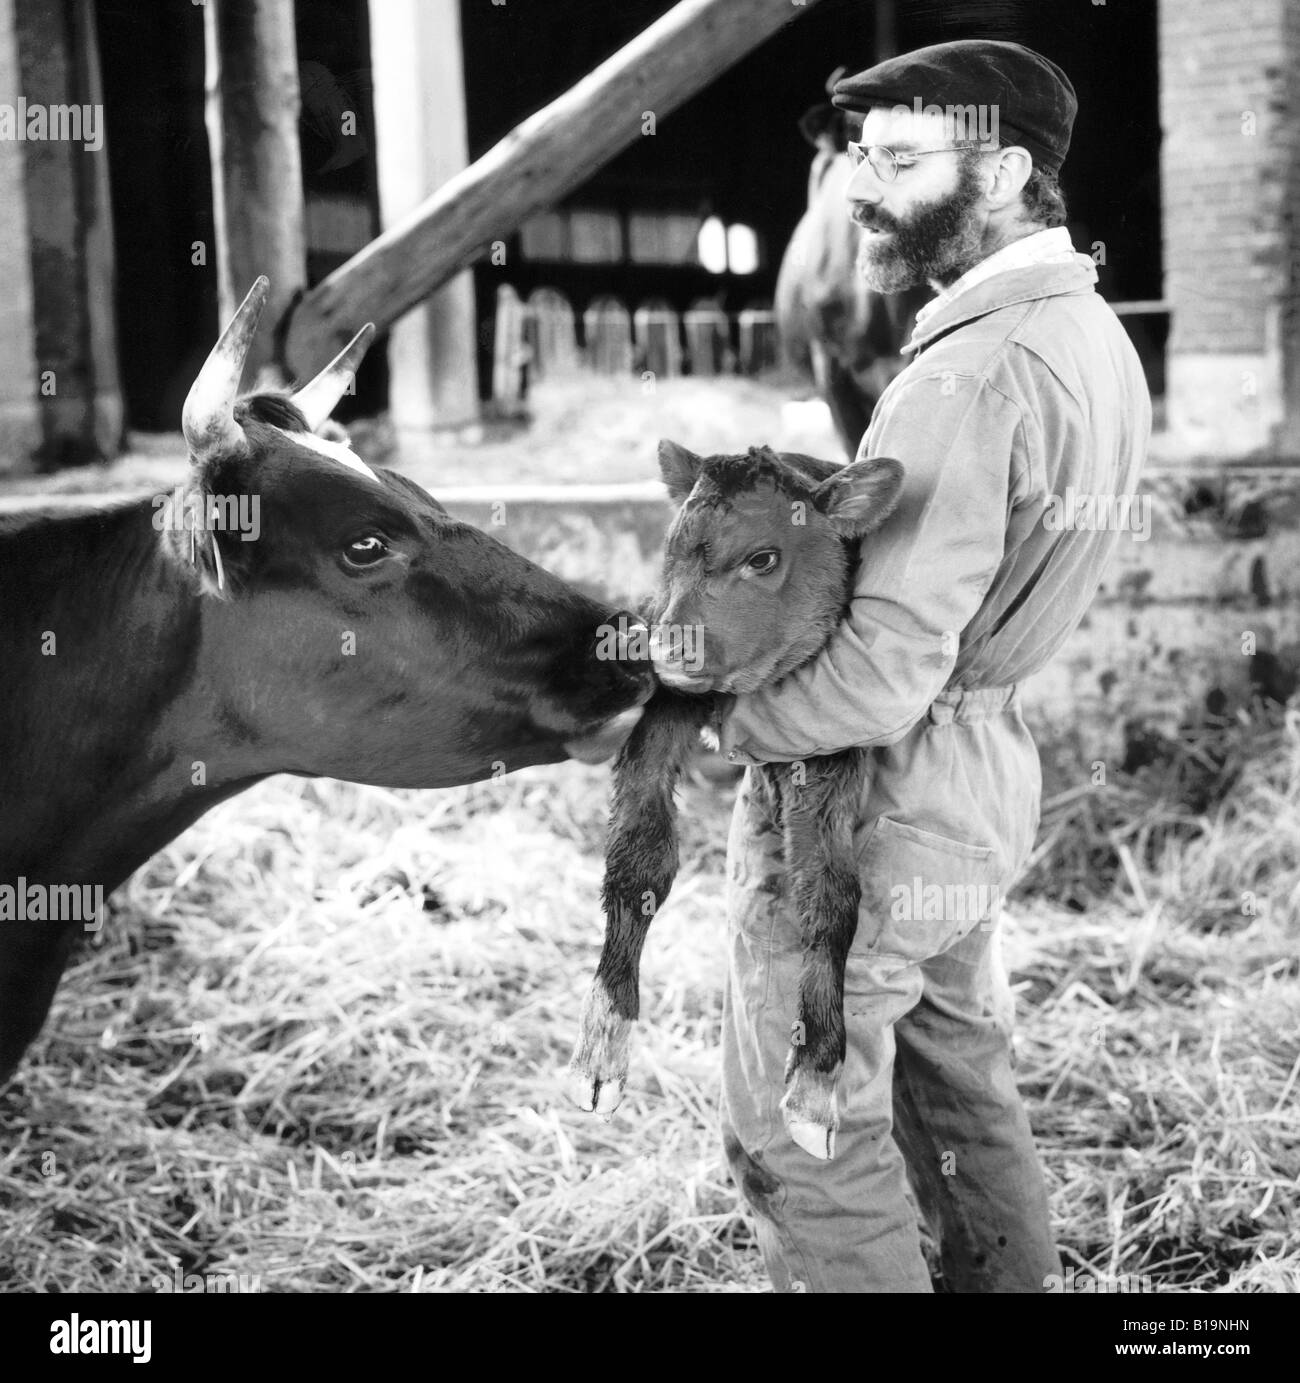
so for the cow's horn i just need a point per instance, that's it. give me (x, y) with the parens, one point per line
(208, 419)
(318, 396)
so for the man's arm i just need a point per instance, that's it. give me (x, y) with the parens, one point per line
(922, 577)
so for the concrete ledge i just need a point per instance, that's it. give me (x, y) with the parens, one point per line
(23, 503)
(640, 492)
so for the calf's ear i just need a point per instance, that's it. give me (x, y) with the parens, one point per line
(680, 469)
(862, 496)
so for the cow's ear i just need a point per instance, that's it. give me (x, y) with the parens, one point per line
(680, 469)
(862, 496)
(815, 121)
(193, 535)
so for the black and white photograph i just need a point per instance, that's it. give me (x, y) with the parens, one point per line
(649, 646)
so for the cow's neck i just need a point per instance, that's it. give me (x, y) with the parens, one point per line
(111, 750)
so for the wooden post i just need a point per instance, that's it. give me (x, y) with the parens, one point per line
(509, 355)
(607, 325)
(252, 120)
(552, 336)
(534, 166)
(65, 185)
(658, 338)
(421, 136)
(759, 350)
(20, 414)
(708, 337)
(886, 31)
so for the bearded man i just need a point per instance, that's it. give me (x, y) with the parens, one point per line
(1023, 386)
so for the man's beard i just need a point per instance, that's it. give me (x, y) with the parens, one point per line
(937, 243)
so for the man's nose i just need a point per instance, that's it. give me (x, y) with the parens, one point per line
(864, 185)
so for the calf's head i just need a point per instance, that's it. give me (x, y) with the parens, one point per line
(350, 626)
(759, 561)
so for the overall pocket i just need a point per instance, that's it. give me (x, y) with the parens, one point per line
(921, 892)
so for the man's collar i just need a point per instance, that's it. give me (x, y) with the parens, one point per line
(1041, 265)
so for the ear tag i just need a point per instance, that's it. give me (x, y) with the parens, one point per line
(221, 572)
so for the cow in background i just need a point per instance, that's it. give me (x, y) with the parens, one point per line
(847, 336)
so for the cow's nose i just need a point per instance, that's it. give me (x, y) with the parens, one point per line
(633, 639)
(623, 648)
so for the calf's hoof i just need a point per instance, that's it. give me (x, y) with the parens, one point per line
(598, 1071)
(811, 1111)
(593, 1094)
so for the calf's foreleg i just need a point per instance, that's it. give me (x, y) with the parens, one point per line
(818, 816)
(640, 866)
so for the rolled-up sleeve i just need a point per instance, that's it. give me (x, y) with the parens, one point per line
(921, 579)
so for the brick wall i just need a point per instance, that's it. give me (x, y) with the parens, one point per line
(1230, 164)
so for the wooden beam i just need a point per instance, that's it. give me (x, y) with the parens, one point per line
(252, 119)
(534, 166)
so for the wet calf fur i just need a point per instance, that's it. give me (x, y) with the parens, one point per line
(760, 558)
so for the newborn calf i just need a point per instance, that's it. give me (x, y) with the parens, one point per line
(758, 570)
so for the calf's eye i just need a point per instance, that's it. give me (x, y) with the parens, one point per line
(761, 563)
(365, 552)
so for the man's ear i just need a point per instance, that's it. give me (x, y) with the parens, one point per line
(680, 469)
(859, 498)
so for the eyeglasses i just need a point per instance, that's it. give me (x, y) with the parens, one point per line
(885, 163)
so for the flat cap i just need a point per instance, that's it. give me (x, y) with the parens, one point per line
(1032, 98)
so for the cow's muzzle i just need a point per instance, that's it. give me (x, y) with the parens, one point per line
(604, 742)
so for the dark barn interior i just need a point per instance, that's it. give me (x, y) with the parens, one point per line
(732, 152)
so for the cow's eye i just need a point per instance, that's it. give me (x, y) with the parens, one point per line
(761, 563)
(365, 552)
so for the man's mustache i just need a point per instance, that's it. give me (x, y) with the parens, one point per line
(871, 220)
